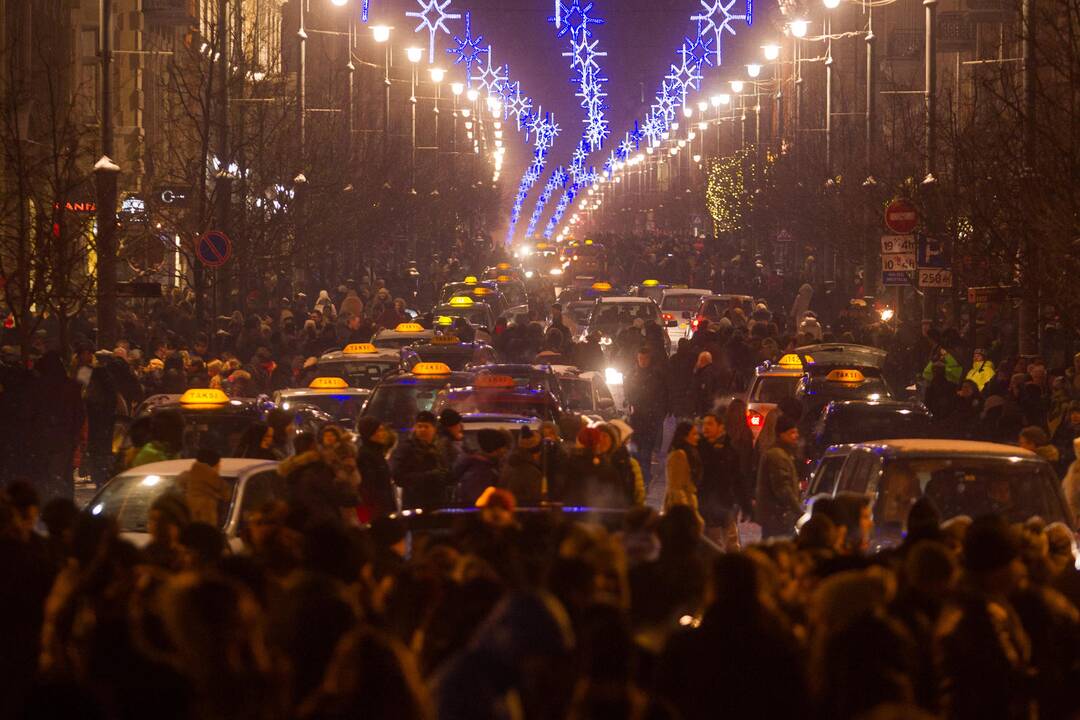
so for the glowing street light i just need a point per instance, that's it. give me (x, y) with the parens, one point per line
(381, 33)
(736, 86)
(457, 88)
(831, 4)
(414, 54)
(472, 95)
(753, 70)
(437, 74)
(703, 106)
(772, 51)
(799, 28)
(688, 111)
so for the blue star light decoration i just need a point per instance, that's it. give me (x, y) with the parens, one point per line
(544, 129)
(717, 17)
(468, 50)
(625, 149)
(365, 8)
(491, 75)
(518, 105)
(684, 77)
(557, 180)
(575, 19)
(653, 129)
(636, 135)
(433, 17)
(699, 51)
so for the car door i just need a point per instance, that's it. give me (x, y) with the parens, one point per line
(255, 489)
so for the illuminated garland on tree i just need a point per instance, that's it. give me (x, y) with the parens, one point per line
(725, 194)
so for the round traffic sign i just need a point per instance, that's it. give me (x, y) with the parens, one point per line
(901, 216)
(213, 248)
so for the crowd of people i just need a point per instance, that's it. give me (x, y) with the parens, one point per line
(543, 615)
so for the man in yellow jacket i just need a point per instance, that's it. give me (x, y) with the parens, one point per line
(982, 370)
(203, 487)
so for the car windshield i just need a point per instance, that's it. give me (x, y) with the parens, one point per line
(399, 404)
(362, 375)
(456, 358)
(969, 486)
(773, 389)
(477, 316)
(853, 425)
(716, 309)
(396, 342)
(502, 402)
(127, 499)
(216, 430)
(337, 406)
(577, 394)
(579, 311)
(621, 314)
(680, 303)
(824, 479)
(514, 294)
(821, 393)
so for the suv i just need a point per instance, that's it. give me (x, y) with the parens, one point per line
(961, 478)
(714, 307)
(611, 315)
(856, 421)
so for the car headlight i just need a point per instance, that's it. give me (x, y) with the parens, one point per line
(605, 341)
(613, 376)
(556, 271)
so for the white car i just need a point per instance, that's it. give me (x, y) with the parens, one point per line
(128, 496)
(677, 308)
(612, 315)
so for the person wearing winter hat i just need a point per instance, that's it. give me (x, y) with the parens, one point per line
(418, 467)
(778, 505)
(377, 497)
(480, 470)
(451, 436)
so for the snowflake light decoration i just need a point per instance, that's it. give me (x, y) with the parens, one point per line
(491, 75)
(433, 17)
(717, 17)
(684, 77)
(468, 50)
(699, 50)
(625, 149)
(636, 135)
(574, 19)
(365, 8)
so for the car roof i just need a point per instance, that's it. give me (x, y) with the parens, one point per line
(685, 291)
(778, 371)
(884, 404)
(381, 354)
(426, 332)
(452, 379)
(230, 467)
(948, 447)
(843, 449)
(495, 421)
(832, 354)
(498, 368)
(611, 299)
(727, 296)
(304, 391)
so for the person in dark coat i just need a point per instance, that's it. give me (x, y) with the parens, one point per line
(523, 475)
(59, 427)
(647, 395)
(723, 488)
(480, 470)
(705, 384)
(102, 400)
(591, 479)
(376, 489)
(778, 505)
(681, 380)
(940, 394)
(315, 495)
(418, 467)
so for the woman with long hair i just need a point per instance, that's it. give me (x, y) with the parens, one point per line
(741, 440)
(684, 470)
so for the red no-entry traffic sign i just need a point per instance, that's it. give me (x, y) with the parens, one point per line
(213, 248)
(901, 216)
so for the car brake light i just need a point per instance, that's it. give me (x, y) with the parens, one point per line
(695, 322)
(754, 419)
(668, 317)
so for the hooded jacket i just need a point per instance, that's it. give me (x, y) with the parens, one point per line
(523, 477)
(203, 489)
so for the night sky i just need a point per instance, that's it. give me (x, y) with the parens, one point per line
(641, 38)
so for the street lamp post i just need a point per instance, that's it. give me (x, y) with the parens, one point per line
(414, 55)
(381, 33)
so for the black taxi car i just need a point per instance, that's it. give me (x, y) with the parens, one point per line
(400, 396)
(449, 350)
(361, 365)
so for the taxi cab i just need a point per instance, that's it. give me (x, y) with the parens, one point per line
(489, 393)
(402, 335)
(399, 397)
(213, 419)
(543, 262)
(586, 260)
(513, 290)
(820, 386)
(503, 268)
(478, 314)
(960, 477)
(450, 350)
(772, 383)
(651, 288)
(466, 286)
(128, 496)
(360, 365)
(854, 421)
(677, 306)
(332, 395)
(589, 292)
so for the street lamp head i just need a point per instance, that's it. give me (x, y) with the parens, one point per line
(688, 112)
(437, 74)
(691, 135)
(703, 125)
(697, 158)
(725, 99)
(682, 144)
(736, 86)
(771, 51)
(414, 54)
(472, 95)
(703, 106)
(753, 70)
(674, 151)
(457, 88)
(466, 112)
(340, 3)
(831, 4)
(799, 28)
(381, 33)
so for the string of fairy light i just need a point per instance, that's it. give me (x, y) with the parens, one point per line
(715, 20)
